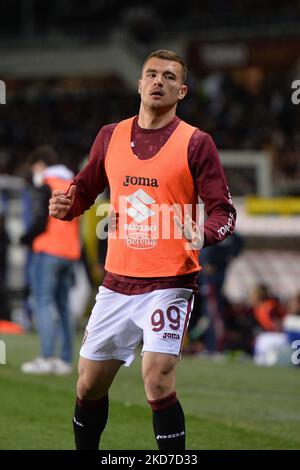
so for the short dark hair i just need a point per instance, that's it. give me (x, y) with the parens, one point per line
(168, 55)
(45, 153)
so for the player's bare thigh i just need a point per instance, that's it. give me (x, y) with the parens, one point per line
(95, 377)
(159, 374)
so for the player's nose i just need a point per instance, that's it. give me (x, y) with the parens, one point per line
(158, 80)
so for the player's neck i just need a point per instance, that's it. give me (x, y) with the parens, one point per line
(152, 120)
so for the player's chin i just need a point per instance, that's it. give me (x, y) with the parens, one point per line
(156, 105)
(162, 106)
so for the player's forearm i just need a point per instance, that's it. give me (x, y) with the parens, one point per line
(219, 225)
(211, 184)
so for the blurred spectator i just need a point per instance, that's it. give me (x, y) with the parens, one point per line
(267, 309)
(280, 347)
(215, 261)
(55, 247)
(240, 327)
(30, 210)
(4, 243)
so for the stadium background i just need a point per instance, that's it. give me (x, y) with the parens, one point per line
(71, 67)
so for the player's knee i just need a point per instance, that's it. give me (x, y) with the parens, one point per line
(158, 384)
(83, 388)
(154, 390)
(88, 389)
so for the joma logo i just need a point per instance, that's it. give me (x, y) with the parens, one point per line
(171, 336)
(140, 180)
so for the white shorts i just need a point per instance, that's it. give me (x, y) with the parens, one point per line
(119, 323)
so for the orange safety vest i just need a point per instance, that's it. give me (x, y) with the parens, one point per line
(140, 245)
(60, 238)
(269, 314)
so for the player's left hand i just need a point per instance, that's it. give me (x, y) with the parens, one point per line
(190, 230)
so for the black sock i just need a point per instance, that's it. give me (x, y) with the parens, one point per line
(89, 421)
(168, 423)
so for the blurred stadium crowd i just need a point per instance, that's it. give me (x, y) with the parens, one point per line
(245, 109)
(95, 19)
(242, 107)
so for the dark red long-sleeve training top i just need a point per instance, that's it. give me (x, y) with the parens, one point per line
(209, 180)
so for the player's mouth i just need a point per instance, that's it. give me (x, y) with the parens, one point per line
(157, 93)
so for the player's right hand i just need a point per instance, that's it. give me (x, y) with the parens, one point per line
(60, 202)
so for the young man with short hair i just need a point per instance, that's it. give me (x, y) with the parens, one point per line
(153, 160)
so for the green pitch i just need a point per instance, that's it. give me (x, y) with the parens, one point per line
(228, 405)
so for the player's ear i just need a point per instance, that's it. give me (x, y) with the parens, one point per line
(182, 92)
(139, 87)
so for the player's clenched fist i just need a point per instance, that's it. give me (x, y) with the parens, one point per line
(60, 202)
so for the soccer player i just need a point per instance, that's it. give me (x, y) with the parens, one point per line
(151, 160)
